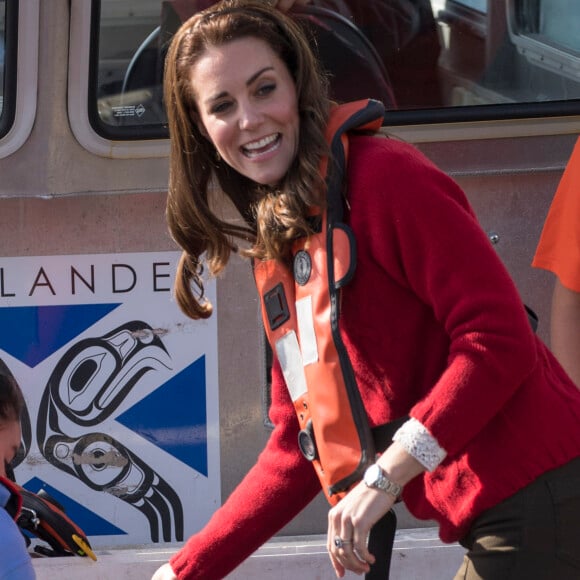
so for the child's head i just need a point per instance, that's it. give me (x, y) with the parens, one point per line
(11, 407)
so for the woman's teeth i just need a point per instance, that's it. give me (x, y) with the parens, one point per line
(261, 146)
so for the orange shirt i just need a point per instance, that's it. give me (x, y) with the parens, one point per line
(559, 247)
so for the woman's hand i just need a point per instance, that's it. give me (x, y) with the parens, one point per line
(351, 520)
(353, 517)
(164, 573)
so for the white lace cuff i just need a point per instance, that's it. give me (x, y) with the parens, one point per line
(419, 443)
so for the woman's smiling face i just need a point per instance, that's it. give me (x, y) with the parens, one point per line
(248, 108)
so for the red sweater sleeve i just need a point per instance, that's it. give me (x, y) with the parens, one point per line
(426, 237)
(276, 489)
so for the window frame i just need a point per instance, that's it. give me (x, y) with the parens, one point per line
(10, 60)
(549, 55)
(82, 34)
(21, 73)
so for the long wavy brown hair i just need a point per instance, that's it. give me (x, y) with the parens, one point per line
(274, 217)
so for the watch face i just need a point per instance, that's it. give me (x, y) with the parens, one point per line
(372, 475)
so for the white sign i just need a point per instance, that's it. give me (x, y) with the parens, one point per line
(122, 424)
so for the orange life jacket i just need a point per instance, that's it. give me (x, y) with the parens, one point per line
(300, 310)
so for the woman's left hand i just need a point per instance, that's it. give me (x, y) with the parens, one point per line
(351, 520)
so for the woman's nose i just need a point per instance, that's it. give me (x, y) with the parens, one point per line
(249, 117)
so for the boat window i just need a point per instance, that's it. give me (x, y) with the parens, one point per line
(429, 61)
(546, 34)
(18, 72)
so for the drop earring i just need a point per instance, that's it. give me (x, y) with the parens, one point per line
(218, 157)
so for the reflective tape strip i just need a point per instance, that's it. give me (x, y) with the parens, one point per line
(306, 329)
(290, 358)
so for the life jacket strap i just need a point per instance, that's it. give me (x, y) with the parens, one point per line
(300, 310)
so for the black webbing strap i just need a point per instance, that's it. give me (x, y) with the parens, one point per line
(382, 533)
(381, 541)
(532, 317)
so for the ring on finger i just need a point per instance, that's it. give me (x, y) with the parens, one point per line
(340, 543)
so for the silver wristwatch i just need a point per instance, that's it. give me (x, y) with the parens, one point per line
(375, 477)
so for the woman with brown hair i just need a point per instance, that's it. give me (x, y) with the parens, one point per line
(431, 323)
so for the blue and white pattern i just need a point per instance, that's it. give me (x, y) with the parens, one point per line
(121, 391)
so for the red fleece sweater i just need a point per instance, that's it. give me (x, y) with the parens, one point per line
(435, 328)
